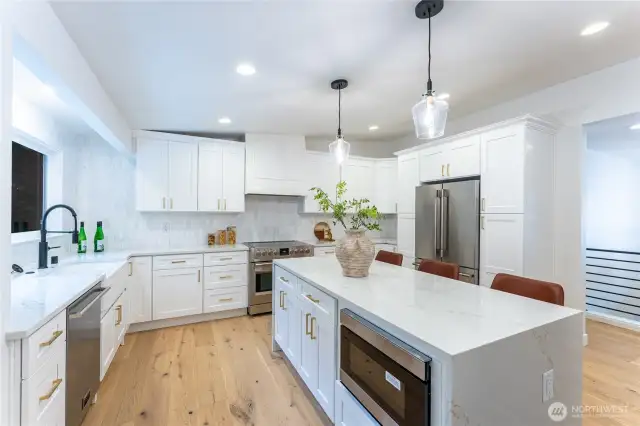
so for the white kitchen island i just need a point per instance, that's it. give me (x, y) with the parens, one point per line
(489, 349)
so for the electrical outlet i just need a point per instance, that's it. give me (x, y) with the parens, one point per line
(166, 226)
(547, 386)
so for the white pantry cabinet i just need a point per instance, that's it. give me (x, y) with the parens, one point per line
(275, 164)
(166, 175)
(501, 246)
(177, 293)
(322, 172)
(221, 176)
(385, 186)
(139, 289)
(408, 179)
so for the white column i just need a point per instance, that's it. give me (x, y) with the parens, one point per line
(6, 97)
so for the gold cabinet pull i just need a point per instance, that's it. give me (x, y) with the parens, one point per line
(442, 170)
(119, 309)
(284, 280)
(226, 277)
(313, 320)
(316, 301)
(306, 325)
(225, 204)
(226, 258)
(482, 204)
(164, 202)
(171, 203)
(481, 222)
(178, 261)
(226, 299)
(198, 275)
(281, 302)
(284, 295)
(54, 336)
(218, 203)
(56, 384)
(448, 170)
(130, 268)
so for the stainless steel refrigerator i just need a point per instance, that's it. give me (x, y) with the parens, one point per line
(448, 225)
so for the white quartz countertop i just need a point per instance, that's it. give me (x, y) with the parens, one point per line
(451, 316)
(39, 297)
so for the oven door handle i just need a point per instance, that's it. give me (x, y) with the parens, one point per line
(263, 267)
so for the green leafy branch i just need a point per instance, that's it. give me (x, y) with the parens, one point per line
(362, 215)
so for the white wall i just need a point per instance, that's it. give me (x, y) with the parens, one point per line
(612, 208)
(105, 190)
(45, 47)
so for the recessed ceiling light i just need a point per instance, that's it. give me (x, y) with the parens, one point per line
(635, 127)
(245, 69)
(443, 96)
(373, 128)
(224, 120)
(594, 28)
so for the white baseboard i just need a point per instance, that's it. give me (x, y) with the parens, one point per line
(613, 320)
(192, 319)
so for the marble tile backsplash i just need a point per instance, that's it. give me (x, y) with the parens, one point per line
(105, 190)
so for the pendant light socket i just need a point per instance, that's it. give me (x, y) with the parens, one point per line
(427, 8)
(339, 84)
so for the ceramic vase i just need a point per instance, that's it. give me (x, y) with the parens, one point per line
(355, 253)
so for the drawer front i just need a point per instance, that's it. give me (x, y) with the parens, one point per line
(117, 283)
(227, 258)
(324, 251)
(319, 298)
(43, 394)
(225, 276)
(286, 279)
(39, 347)
(224, 299)
(179, 261)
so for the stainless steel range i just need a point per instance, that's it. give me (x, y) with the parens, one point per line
(261, 256)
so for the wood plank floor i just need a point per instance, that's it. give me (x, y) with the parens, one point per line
(223, 373)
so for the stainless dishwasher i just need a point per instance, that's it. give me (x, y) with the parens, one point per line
(83, 353)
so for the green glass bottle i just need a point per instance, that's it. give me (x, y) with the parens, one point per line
(82, 240)
(98, 240)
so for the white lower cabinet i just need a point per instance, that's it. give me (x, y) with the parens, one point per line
(349, 412)
(139, 289)
(324, 251)
(177, 293)
(113, 327)
(224, 299)
(501, 246)
(305, 329)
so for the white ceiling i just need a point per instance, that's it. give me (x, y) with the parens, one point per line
(171, 65)
(615, 136)
(28, 87)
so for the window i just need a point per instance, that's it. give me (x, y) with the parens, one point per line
(27, 188)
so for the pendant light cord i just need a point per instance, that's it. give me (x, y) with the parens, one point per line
(339, 110)
(429, 66)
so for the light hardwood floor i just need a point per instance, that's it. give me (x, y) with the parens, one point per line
(223, 373)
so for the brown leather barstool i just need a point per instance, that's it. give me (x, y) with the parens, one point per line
(443, 269)
(526, 287)
(389, 257)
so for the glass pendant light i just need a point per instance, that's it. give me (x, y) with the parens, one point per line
(339, 148)
(430, 114)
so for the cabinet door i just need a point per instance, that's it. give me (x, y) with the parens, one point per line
(323, 173)
(292, 348)
(433, 164)
(359, 173)
(210, 176)
(463, 158)
(107, 341)
(502, 177)
(502, 241)
(308, 348)
(349, 412)
(233, 178)
(408, 179)
(139, 289)
(324, 331)
(385, 186)
(121, 314)
(407, 235)
(183, 176)
(177, 293)
(281, 317)
(152, 175)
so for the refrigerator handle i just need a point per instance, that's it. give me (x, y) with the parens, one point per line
(436, 223)
(444, 233)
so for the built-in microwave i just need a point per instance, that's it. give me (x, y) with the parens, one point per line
(389, 378)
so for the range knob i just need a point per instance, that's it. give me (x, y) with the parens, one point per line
(307, 250)
(272, 252)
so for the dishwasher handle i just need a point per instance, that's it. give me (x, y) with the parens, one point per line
(98, 294)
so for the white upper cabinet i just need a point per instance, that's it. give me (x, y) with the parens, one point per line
(433, 163)
(221, 176)
(408, 179)
(152, 174)
(463, 157)
(502, 177)
(359, 173)
(386, 185)
(275, 164)
(322, 172)
(183, 176)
